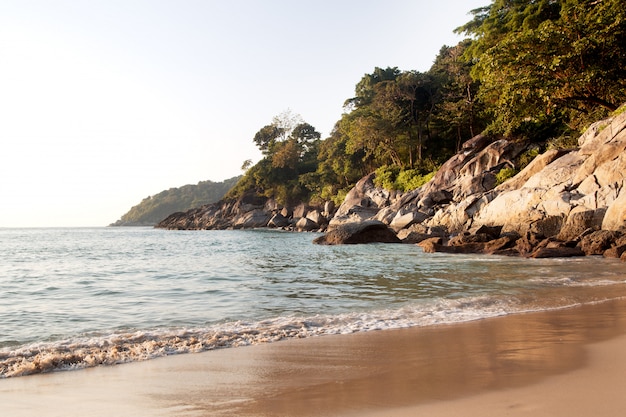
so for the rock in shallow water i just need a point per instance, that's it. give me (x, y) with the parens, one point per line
(371, 231)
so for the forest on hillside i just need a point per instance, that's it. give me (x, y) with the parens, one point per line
(153, 209)
(534, 71)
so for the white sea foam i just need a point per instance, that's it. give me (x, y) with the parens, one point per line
(63, 292)
(122, 347)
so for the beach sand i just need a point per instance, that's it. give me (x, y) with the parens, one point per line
(570, 362)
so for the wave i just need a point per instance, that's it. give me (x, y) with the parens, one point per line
(123, 347)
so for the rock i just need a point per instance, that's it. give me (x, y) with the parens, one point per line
(548, 226)
(615, 217)
(437, 197)
(480, 244)
(286, 213)
(534, 167)
(410, 236)
(271, 205)
(501, 244)
(371, 231)
(492, 232)
(598, 242)
(365, 195)
(466, 238)
(557, 252)
(476, 143)
(430, 245)
(353, 214)
(329, 208)
(306, 225)
(615, 251)
(252, 219)
(300, 211)
(386, 215)
(317, 217)
(402, 221)
(469, 172)
(248, 202)
(278, 220)
(579, 220)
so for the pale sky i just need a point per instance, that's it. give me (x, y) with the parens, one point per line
(103, 103)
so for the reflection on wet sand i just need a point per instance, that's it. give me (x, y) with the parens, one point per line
(330, 375)
(407, 367)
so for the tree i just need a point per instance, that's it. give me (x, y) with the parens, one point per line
(364, 90)
(457, 111)
(290, 147)
(337, 164)
(246, 165)
(541, 59)
(417, 95)
(389, 117)
(278, 131)
(267, 136)
(286, 122)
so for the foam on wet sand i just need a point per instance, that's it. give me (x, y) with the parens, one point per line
(558, 363)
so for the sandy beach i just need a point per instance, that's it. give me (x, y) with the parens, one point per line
(570, 362)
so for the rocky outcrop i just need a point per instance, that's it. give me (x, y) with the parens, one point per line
(247, 212)
(553, 207)
(564, 203)
(364, 201)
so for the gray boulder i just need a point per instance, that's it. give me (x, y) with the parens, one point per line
(278, 220)
(371, 231)
(306, 225)
(252, 219)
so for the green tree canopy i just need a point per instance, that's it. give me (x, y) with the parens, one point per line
(290, 147)
(538, 59)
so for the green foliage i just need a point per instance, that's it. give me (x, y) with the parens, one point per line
(386, 177)
(412, 179)
(534, 70)
(562, 142)
(619, 111)
(537, 58)
(527, 157)
(504, 174)
(155, 208)
(290, 147)
(390, 118)
(392, 177)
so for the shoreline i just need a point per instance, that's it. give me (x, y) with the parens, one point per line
(542, 363)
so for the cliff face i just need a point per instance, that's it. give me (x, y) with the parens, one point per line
(563, 196)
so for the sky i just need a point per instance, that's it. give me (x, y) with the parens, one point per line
(104, 103)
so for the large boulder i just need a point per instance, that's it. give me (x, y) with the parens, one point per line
(278, 220)
(579, 221)
(615, 217)
(473, 170)
(596, 243)
(371, 231)
(306, 225)
(362, 202)
(585, 188)
(252, 219)
(317, 217)
(404, 220)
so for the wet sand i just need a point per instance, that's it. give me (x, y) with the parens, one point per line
(562, 363)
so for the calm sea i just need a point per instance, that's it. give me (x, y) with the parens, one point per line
(72, 298)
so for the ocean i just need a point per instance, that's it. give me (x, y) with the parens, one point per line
(73, 298)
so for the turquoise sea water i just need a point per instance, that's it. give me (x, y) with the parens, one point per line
(79, 297)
